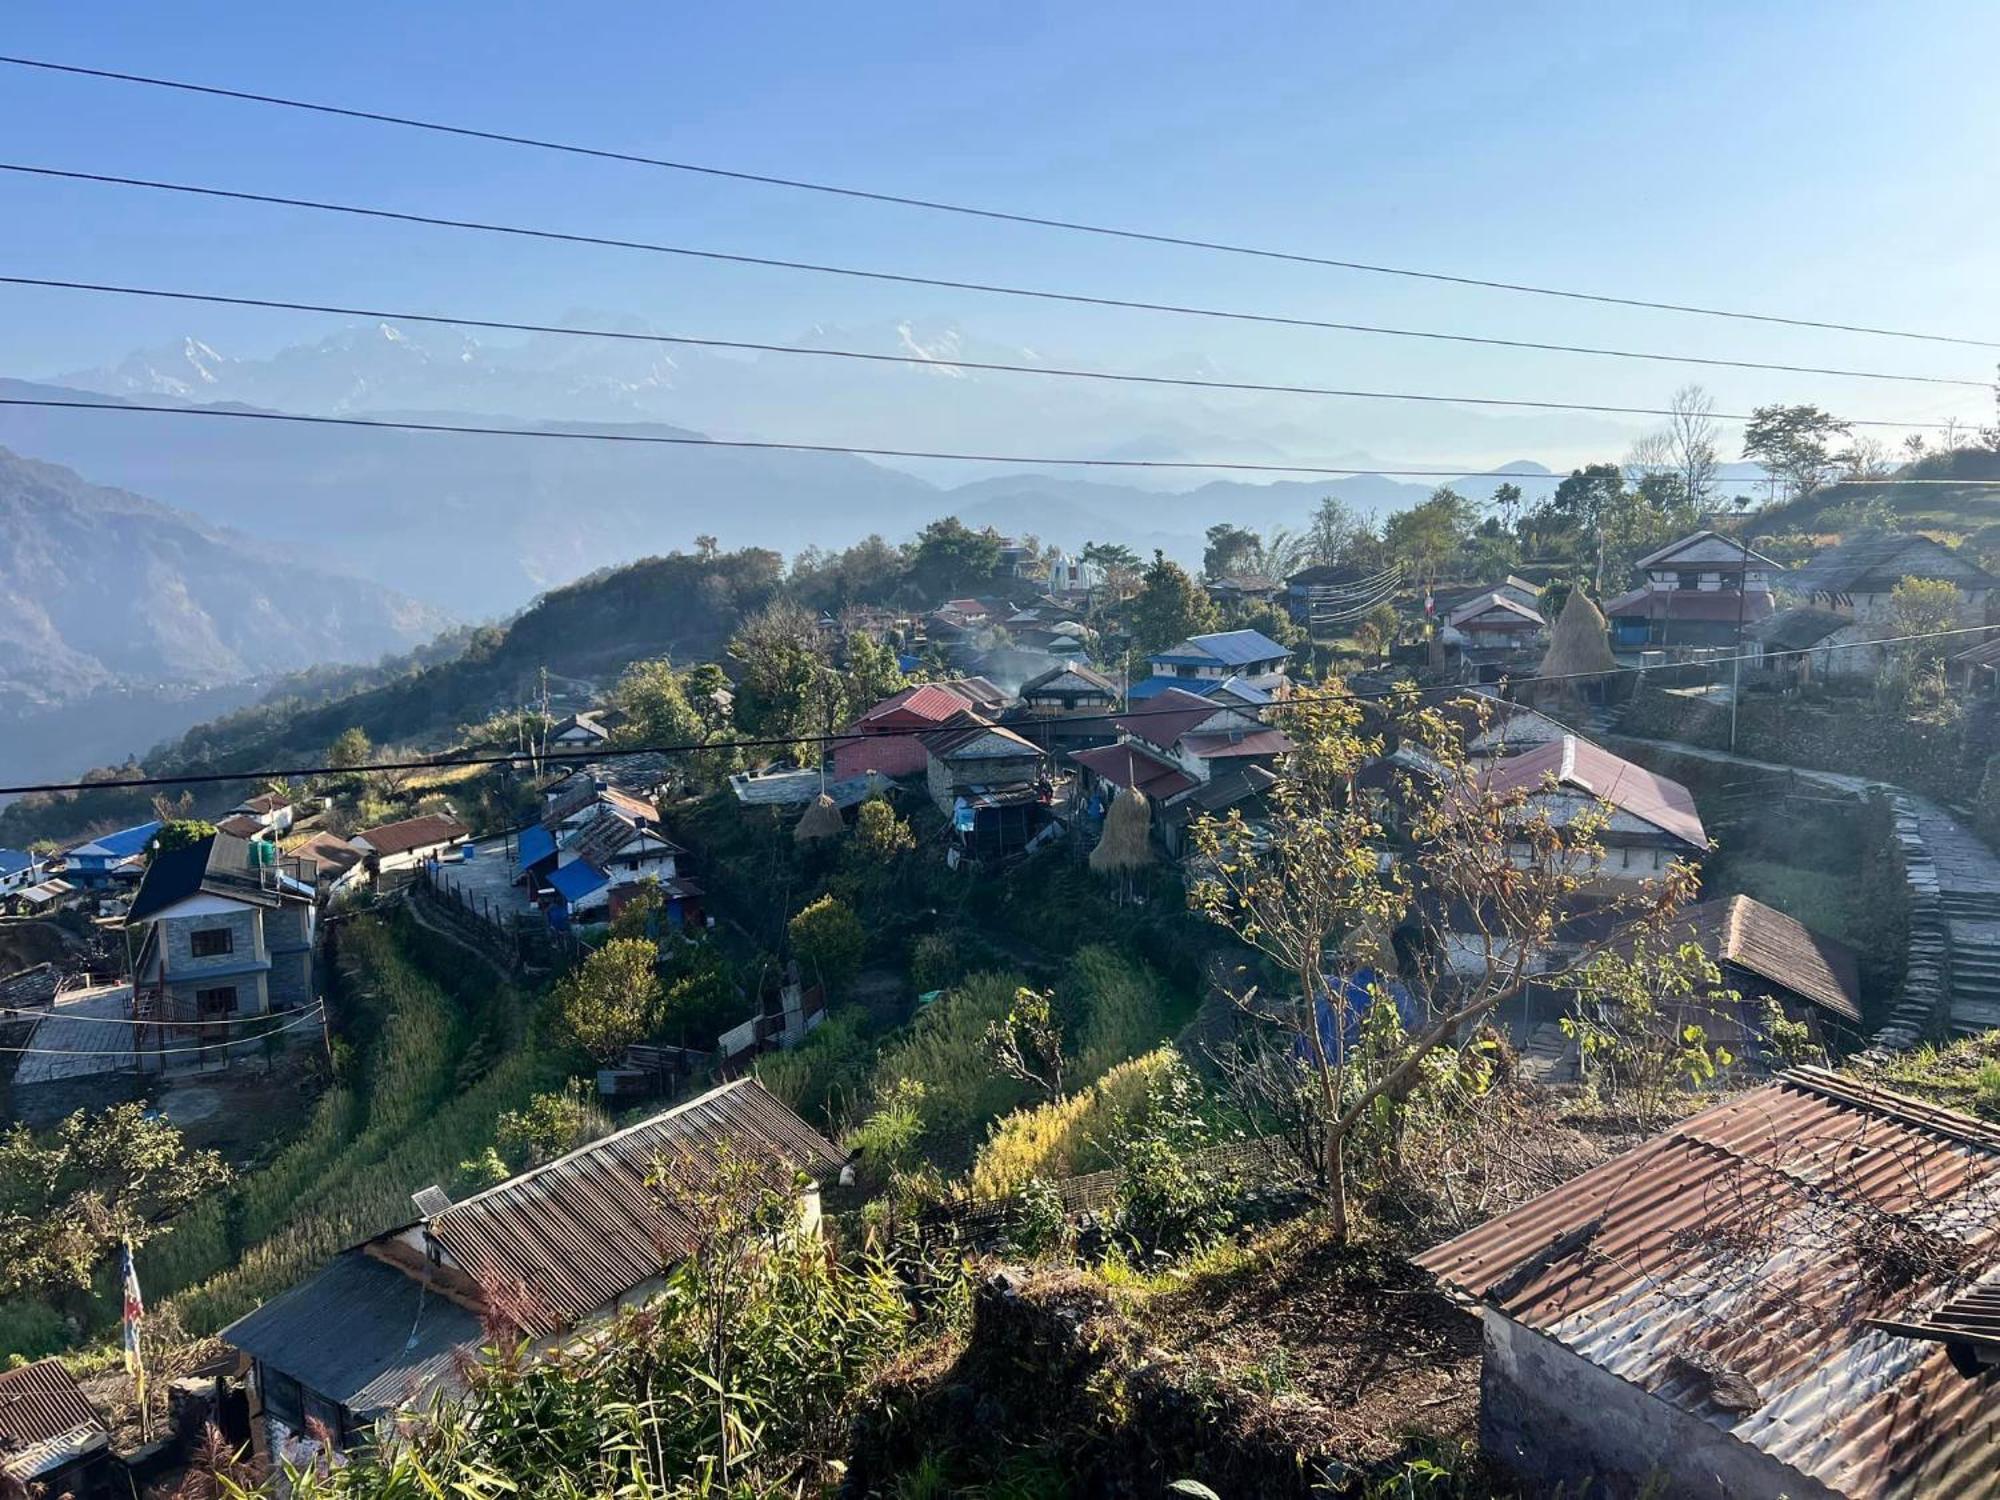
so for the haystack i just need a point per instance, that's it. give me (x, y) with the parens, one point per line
(1125, 844)
(1577, 647)
(821, 821)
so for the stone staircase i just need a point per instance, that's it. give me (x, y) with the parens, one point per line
(1922, 1004)
(1974, 920)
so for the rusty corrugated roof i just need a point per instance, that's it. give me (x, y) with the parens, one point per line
(586, 1228)
(1761, 1237)
(44, 1420)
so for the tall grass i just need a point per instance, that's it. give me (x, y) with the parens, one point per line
(1083, 1133)
(945, 1050)
(1115, 1009)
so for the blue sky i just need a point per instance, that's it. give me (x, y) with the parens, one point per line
(1824, 161)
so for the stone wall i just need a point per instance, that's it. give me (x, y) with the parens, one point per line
(1555, 1418)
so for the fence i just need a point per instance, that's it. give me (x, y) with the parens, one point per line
(516, 940)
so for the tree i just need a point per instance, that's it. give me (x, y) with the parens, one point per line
(1693, 443)
(872, 671)
(68, 1199)
(828, 939)
(1229, 549)
(1924, 607)
(350, 749)
(1027, 1043)
(635, 917)
(655, 704)
(1483, 877)
(1378, 629)
(1507, 499)
(182, 833)
(1330, 533)
(1794, 443)
(613, 999)
(1118, 563)
(789, 689)
(949, 558)
(701, 995)
(1426, 536)
(1169, 607)
(706, 547)
(879, 833)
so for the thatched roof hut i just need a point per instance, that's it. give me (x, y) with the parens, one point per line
(1578, 646)
(821, 821)
(1125, 844)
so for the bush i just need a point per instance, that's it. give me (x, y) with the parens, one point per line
(1114, 1009)
(31, 1330)
(934, 962)
(828, 939)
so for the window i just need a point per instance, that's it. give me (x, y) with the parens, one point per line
(220, 1001)
(212, 942)
(282, 1396)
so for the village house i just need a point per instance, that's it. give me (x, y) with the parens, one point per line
(584, 730)
(1846, 595)
(1243, 589)
(52, 1441)
(1327, 587)
(1493, 624)
(885, 735)
(1188, 755)
(337, 863)
(271, 810)
(1702, 591)
(1650, 819)
(388, 1324)
(1763, 956)
(595, 847)
(1066, 708)
(110, 858)
(220, 929)
(1976, 669)
(1790, 1293)
(405, 844)
(1072, 582)
(1202, 663)
(994, 785)
(19, 869)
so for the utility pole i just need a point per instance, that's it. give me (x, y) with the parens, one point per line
(1742, 608)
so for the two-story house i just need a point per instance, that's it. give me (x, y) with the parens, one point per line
(221, 929)
(19, 869)
(270, 810)
(1203, 663)
(110, 857)
(1066, 708)
(1700, 591)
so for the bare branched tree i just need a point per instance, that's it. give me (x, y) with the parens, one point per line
(1693, 441)
(1399, 924)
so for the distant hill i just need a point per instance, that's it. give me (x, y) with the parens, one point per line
(101, 588)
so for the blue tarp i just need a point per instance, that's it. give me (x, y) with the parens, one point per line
(1358, 993)
(536, 844)
(577, 879)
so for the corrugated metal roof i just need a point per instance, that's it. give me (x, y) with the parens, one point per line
(361, 1333)
(1760, 1237)
(44, 1420)
(577, 879)
(1127, 765)
(414, 833)
(586, 1228)
(1875, 562)
(1577, 763)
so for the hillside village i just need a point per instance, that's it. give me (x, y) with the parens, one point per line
(975, 920)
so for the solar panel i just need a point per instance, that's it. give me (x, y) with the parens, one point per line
(431, 1201)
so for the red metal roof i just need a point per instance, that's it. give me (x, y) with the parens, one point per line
(1574, 762)
(414, 833)
(1759, 1237)
(894, 755)
(587, 1228)
(1129, 766)
(1167, 716)
(926, 704)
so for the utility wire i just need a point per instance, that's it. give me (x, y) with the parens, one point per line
(586, 757)
(138, 1051)
(990, 288)
(564, 435)
(1057, 371)
(18, 1013)
(1040, 221)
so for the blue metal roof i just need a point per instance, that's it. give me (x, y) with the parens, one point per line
(1233, 648)
(13, 861)
(1152, 687)
(578, 879)
(536, 844)
(122, 843)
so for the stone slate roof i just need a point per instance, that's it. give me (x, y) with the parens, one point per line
(1875, 562)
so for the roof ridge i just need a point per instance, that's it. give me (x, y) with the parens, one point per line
(588, 1147)
(1951, 1123)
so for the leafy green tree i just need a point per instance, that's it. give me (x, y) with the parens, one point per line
(1169, 607)
(879, 833)
(949, 558)
(1427, 535)
(550, 1125)
(613, 999)
(1229, 550)
(789, 689)
(1027, 1043)
(702, 997)
(872, 671)
(828, 939)
(657, 711)
(1796, 444)
(635, 917)
(350, 749)
(181, 833)
(1110, 556)
(71, 1197)
(1378, 630)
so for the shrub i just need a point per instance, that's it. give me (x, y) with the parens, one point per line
(1114, 1008)
(821, 1076)
(828, 939)
(934, 962)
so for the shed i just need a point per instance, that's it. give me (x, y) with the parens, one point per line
(50, 1436)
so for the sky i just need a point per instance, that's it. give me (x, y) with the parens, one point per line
(1814, 160)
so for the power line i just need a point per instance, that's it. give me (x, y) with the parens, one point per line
(923, 360)
(560, 434)
(586, 757)
(988, 288)
(137, 1051)
(18, 1013)
(1039, 221)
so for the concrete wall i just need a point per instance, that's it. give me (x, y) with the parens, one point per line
(177, 941)
(1555, 1418)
